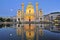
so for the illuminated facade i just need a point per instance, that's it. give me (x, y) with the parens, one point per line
(30, 14)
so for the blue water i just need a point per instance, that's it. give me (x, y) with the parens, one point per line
(5, 34)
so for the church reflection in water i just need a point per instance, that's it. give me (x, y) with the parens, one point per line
(29, 31)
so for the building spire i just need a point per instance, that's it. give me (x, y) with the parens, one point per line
(37, 9)
(22, 10)
(22, 7)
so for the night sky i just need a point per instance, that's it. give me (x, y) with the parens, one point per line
(10, 7)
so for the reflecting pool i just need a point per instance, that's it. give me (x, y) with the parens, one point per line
(29, 32)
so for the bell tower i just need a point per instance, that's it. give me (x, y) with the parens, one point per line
(19, 15)
(40, 15)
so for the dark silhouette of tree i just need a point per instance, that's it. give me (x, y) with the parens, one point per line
(2, 19)
(8, 20)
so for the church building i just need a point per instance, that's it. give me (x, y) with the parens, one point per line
(29, 14)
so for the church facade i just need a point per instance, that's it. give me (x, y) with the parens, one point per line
(29, 14)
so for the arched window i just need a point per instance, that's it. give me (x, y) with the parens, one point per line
(18, 25)
(40, 18)
(19, 19)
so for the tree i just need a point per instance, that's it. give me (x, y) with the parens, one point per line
(8, 20)
(2, 19)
